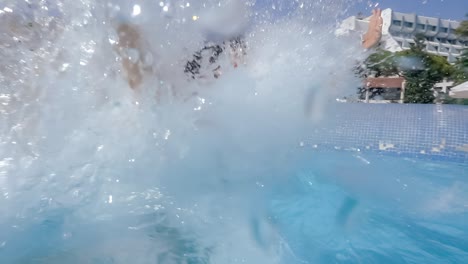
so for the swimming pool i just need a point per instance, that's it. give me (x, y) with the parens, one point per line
(384, 184)
(331, 198)
(386, 210)
(92, 171)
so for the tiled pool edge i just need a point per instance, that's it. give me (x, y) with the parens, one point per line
(431, 132)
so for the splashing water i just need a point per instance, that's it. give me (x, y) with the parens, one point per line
(178, 170)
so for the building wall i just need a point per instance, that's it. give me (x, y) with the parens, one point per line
(439, 33)
(399, 30)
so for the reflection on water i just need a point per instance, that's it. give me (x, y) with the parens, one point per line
(112, 154)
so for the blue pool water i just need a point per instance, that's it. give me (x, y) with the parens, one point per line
(373, 209)
(334, 207)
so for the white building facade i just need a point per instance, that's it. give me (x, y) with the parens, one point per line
(399, 30)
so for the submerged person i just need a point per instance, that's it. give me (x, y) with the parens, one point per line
(131, 46)
(207, 61)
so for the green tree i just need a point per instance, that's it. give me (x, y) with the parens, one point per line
(381, 63)
(461, 66)
(378, 64)
(462, 30)
(421, 71)
(460, 74)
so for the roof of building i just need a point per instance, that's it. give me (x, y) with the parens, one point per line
(460, 91)
(385, 82)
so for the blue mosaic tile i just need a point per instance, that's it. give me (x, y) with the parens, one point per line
(433, 132)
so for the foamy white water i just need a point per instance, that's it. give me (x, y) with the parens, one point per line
(111, 168)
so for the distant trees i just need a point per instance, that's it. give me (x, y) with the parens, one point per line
(420, 69)
(462, 30)
(461, 66)
(460, 74)
(381, 63)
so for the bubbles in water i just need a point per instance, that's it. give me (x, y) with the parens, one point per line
(116, 147)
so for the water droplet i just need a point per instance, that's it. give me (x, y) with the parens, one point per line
(148, 59)
(136, 10)
(133, 55)
(167, 134)
(64, 67)
(113, 38)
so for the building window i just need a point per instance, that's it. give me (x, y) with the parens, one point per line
(444, 30)
(400, 43)
(451, 41)
(430, 38)
(432, 28)
(442, 40)
(408, 24)
(436, 48)
(397, 22)
(421, 26)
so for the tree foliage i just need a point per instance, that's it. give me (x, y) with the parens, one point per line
(420, 69)
(421, 77)
(462, 30)
(461, 66)
(460, 74)
(381, 63)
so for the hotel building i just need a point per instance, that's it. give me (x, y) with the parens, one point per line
(398, 33)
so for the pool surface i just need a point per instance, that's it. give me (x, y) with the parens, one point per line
(326, 199)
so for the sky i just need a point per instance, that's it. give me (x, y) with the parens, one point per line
(446, 9)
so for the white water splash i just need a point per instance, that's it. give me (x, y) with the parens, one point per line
(155, 172)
